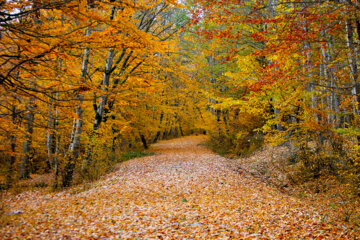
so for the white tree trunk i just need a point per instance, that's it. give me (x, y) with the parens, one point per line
(105, 85)
(73, 152)
(353, 65)
(50, 135)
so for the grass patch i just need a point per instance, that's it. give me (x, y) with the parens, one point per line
(136, 154)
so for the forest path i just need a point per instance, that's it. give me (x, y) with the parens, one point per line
(183, 192)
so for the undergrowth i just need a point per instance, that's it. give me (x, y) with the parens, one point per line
(310, 176)
(100, 166)
(232, 146)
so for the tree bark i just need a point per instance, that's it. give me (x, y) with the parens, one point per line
(158, 134)
(326, 73)
(73, 152)
(9, 176)
(353, 65)
(27, 145)
(50, 136)
(105, 84)
(143, 140)
(57, 144)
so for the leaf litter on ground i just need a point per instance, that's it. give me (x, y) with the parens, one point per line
(184, 191)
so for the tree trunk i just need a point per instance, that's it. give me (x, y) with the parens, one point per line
(165, 134)
(99, 109)
(353, 65)
(50, 137)
(181, 130)
(327, 74)
(143, 140)
(29, 116)
(9, 176)
(73, 152)
(225, 119)
(158, 134)
(27, 145)
(57, 145)
(308, 71)
(217, 114)
(105, 84)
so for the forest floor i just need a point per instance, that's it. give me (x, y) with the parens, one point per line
(184, 191)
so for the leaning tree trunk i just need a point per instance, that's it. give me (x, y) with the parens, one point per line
(143, 140)
(73, 152)
(100, 108)
(105, 84)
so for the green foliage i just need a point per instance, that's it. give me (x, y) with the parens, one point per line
(136, 154)
(99, 166)
(181, 18)
(102, 164)
(231, 146)
(219, 144)
(239, 136)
